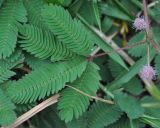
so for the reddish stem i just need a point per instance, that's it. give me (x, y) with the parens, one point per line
(90, 58)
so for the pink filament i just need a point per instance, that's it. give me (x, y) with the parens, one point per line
(140, 24)
(147, 72)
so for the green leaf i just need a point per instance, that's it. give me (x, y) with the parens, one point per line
(114, 12)
(156, 11)
(125, 77)
(107, 23)
(97, 14)
(55, 1)
(90, 16)
(7, 115)
(12, 12)
(157, 65)
(10, 63)
(154, 91)
(42, 44)
(81, 122)
(154, 122)
(129, 105)
(1, 2)
(152, 106)
(133, 86)
(102, 63)
(124, 122)
(140, 50)
(76, 6)
(102, 114)
(45, 81)
(35, 63)
(34, 8)
(123, 8)
(71, 32)
(72, 104)
(48, 118)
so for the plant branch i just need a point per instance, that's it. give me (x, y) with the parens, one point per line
(116, 50)
(153, 4)
(123, 54)
(92, 97)
(148, 53)
(147, 29)
(146, 17)
(112, 44)
(34, 111)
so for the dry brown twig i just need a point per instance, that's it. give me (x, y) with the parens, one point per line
(34, 111)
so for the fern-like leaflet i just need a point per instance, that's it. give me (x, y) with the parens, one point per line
(101, 115)
(43, 44)
(9, 63)
(47, 80)
(33, 8)
(11, 13)
(7, 115)
(72, 104)
(69, 31)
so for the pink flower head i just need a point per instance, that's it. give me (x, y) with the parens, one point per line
(140, 23)
(148, 72)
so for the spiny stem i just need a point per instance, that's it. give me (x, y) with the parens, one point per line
(146, 16)
(148, 52)
(147, 30)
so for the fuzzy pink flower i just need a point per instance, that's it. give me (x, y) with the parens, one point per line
(140, 23)
(148, 72)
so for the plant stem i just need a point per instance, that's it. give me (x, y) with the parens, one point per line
(119, 49)
(148, 52)
(92, 97)
(107, 92)
(34, 111)
(147, 30)
(146, 17)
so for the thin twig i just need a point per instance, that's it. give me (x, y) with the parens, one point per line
(107, 92)
(148, 53)
(146, 17)
(112, 44)
(92, 97)
(34, 111)
(123, 54)
(116, 50)
(153, 4)
(147, 29)
(98, 48)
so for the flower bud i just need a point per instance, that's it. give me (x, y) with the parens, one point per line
(147, 72)
(140, 23)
